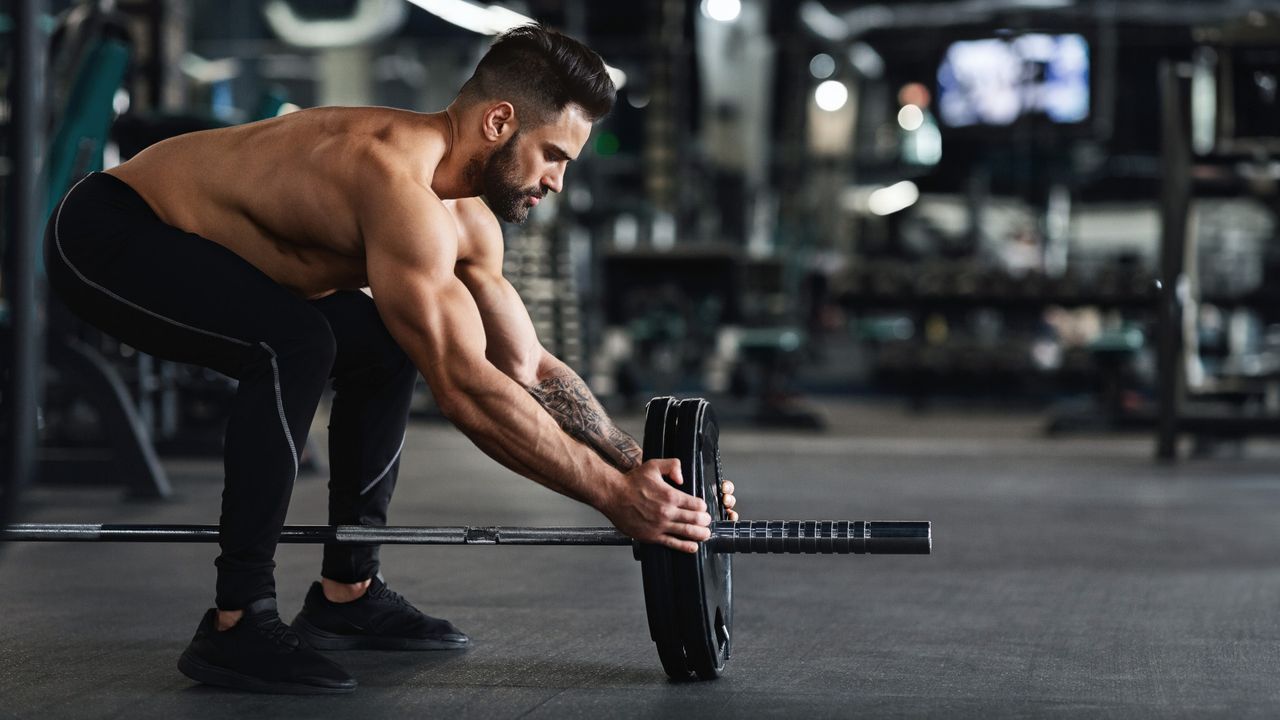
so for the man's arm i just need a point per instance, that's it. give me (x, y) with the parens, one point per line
(411, 248)
(568, 399)
(513, 346)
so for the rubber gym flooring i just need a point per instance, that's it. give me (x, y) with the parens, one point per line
(1071, 577)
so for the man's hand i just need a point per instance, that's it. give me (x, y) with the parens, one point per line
(728, 500)
(648, 509)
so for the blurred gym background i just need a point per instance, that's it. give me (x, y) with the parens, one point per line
(1060, 209)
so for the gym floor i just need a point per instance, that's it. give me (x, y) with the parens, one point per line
(1070, 577)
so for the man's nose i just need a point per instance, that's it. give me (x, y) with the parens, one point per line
(553, 182)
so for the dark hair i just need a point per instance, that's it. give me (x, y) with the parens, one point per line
(540, 71)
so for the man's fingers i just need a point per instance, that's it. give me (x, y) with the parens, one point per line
(681, 545)
(689, 502)
(670, 469)
(691, 517)
(690, 532)
(727, 499)
(684, 538)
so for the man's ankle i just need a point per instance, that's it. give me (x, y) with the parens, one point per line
(339, 592)
(227, 619)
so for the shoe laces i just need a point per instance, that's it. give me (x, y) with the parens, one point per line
(276, 631)
(386, 594)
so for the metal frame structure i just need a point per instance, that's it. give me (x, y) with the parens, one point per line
(20, 395)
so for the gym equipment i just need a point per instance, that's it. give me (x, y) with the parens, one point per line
(688, 597)
(20, 324)
(90, 59)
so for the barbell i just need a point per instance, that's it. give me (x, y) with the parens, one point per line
(688, 596)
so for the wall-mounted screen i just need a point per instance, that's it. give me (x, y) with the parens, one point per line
(997, 81)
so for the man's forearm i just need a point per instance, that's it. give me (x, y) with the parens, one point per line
(568, 399)
(509, 426)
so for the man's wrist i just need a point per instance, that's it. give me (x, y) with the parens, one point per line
(612, 482)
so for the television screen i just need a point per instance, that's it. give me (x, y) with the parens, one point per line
(996, 81)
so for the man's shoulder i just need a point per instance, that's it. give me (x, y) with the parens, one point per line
(479, 231)
(474, 215)
(388, 153)
(382, 180)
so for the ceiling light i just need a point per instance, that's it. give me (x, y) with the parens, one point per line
(831, 95)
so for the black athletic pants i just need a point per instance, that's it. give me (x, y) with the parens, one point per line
(181, 297)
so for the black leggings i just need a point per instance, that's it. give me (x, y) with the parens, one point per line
(181, 297)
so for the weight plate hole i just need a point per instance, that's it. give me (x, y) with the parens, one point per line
(722, 632)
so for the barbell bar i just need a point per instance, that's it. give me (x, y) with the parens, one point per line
(779, 537)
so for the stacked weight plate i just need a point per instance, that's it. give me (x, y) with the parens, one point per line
(689, 597)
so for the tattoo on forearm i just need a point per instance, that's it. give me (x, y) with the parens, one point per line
(568, 400)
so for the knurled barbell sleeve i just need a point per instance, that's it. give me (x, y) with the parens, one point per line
(821, 537)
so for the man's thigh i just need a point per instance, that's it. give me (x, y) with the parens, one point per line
(362, 338)
(167, 292)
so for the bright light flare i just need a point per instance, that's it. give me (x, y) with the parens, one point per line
(722, 10)
(495, 20)
(831, 95)
(910, 118)
(896, 197)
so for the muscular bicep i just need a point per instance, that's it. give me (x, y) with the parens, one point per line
(511, 341)
(410, 254)
(436, 322)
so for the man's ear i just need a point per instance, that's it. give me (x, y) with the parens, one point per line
(499, 121)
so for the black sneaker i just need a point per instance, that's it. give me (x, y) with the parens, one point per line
(378, 620)
(260, 654)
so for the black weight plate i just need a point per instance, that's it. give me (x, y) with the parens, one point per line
(704, 580)
(655, 563)
(688, 597)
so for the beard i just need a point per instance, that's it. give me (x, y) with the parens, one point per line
(499, 181)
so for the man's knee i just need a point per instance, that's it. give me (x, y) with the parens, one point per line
(389, 366)
(307, 343)
(399, 363)
(381, 353)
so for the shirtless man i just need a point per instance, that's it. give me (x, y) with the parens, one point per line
(246, 250)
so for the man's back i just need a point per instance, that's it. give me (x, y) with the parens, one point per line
(281, 193)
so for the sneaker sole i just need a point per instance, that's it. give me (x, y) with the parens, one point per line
(322, 640)
(222, 677)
